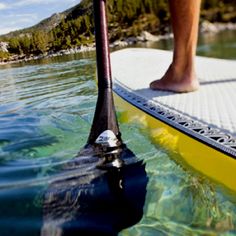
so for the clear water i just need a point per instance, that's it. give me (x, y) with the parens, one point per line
(46, 109)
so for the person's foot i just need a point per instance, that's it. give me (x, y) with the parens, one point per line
(175, 80)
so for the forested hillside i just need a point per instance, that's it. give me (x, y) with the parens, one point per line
(75, 26)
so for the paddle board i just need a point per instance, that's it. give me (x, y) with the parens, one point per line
(199, 126)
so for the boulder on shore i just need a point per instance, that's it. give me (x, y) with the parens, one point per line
(146, 36)
(4, 46)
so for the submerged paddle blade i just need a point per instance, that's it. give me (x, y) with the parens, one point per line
(84, 200)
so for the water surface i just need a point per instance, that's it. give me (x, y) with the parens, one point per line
(220, 45)
(46, 109)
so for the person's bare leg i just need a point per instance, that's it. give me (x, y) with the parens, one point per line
(181, 76)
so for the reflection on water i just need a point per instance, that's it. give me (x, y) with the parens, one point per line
(46, 108)
(220, 45)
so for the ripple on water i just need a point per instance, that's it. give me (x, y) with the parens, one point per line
(45, 116)
(43, 124)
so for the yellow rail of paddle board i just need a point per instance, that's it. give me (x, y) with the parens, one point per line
(205, 159)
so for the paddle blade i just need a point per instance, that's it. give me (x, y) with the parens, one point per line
(86, 200)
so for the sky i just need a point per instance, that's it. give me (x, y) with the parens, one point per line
(19, 14)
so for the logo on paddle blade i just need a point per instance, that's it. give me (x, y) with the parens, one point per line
(108, 139)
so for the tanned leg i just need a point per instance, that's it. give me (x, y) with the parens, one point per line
(181, 76)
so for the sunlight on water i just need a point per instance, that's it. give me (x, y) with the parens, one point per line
(179, 201)
(46, 109)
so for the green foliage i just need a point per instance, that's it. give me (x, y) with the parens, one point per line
(14, 46)
(25, 44)
(40, 42)
(130, 18)
(219, 11)
(4, 55)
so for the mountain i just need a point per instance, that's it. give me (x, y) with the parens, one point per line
(44, 25)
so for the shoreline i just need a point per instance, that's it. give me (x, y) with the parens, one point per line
(205, 27)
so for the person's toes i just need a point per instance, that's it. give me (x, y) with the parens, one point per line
(152, 85)
(156, 84)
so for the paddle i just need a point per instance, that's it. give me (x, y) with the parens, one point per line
(102, 190)
(104, 133)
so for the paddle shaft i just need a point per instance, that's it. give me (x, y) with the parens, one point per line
(105, 117)
(102, 45)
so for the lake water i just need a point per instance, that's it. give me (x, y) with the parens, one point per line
(46, 109)
(220, 45)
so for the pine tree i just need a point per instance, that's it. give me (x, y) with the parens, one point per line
(41, 42)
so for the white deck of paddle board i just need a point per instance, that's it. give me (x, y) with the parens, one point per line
(214, 104)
